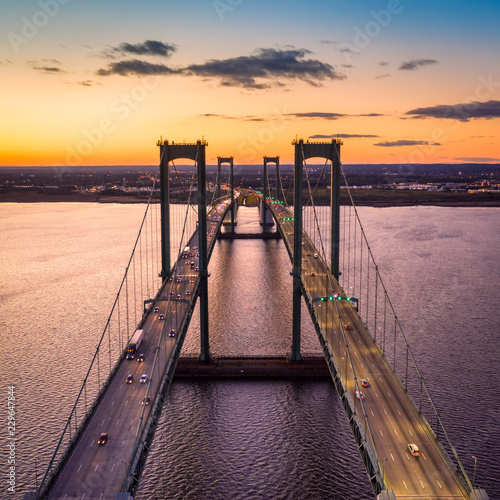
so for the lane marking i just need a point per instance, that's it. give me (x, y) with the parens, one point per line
(103, 422)
(389, 394)
(79, 468)
(439, 484)
(131, 421)
(96, 467)
(395, 432)
(392, 457)
(126, 402)
(405, 485)
(423, 487)
(382, 434)
(113, 467)
(380, 378)
(376, 395)
(385, 412)
(113, 402)
(117, 422)
(409, 430)
(399, 412)
(373, 414)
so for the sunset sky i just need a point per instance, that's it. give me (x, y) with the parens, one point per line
(97, 82)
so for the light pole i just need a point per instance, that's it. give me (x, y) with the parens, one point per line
(474, 475)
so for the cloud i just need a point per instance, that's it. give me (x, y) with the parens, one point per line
(318, 114)
(383, 63)
(149, 47)
(263, 69)
(382, 76)
(48, 69)
(462, 112)
(478, 160)
(248, 118)
(341, 136)
(86, 83)
(416, 63)
(403, 142)
(136, 67)
(264, 65)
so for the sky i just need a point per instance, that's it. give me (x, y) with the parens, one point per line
(99, 82)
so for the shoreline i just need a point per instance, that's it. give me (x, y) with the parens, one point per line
(373, 198)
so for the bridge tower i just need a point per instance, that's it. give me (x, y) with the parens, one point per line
(195, 152)
(265, 194)
(303, 151)
(220, 160)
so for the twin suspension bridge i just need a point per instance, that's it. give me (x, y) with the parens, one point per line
(400, 436)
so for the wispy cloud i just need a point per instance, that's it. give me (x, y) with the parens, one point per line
(416, 63)
(48, 69)
(341, 136)
(147, 48)
(404, 142)
(248, 118)
(136, 67)
(477, 160)
(462, 112)
(318, 114)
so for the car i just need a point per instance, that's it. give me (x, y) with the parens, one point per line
(196, 269)
(161, 317)
(140, 358)
(145, 401)
(156, 309)
(414, 449)
(365, 382)
(144, 378)
(172, 333)
(313, 274)
(316, 256)
(308, 253)
(191, 280)
(103, 439)
(347, 327)
(188, 292)
(360, 395)
(130, 355)
(130, 379)
(172, 294)
(178, 297)
(179, 280)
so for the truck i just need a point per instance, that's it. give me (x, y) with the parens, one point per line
(134, 344)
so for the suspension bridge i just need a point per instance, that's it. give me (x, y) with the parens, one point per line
(401, 438)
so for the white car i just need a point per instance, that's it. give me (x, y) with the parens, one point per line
(144, 379)
(414, 449)
(360, 395)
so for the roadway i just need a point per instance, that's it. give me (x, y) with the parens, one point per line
(95, 471)
(391, 417)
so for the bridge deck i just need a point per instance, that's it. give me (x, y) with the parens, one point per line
(392, 417)
(97, 472)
